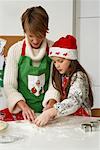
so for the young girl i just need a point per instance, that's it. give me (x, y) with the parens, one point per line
(71, 80)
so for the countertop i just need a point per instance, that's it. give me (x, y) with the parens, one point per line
(64, 133)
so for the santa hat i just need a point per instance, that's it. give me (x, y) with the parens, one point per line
(65, 47)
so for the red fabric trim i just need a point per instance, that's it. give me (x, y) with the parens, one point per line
(64, 85)
(5, 115)
(47, 49)
(81, 112)
(23, 49)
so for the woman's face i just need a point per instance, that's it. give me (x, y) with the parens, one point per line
(61, 64)
(33, 40)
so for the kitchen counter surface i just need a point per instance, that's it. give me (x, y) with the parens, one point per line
(64, 133)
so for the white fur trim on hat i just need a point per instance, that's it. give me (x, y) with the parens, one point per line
(64, 53)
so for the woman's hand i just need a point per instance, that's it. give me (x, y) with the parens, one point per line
(44, 118)
(27, 112)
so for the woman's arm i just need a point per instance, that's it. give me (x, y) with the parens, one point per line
(51, 93)
(10, 77)
(50, 104)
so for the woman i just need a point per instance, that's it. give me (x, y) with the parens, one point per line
(28, 65)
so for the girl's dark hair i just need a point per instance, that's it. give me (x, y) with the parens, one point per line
(57, 79)
(36, 19)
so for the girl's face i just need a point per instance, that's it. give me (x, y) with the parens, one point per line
(33, 40)
(61, 64)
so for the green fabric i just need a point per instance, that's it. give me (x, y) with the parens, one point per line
(26, 68)
(1, 77)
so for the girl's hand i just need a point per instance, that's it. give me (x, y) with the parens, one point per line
(27, 112)
(50, 104)
(44, 118)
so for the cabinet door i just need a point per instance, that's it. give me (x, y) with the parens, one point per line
(96, 94)
(88, 34)
(88, 8)
(90, 47)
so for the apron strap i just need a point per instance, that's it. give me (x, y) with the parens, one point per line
(47, 49)
(23, 49)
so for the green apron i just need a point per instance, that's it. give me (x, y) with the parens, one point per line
(25, 69)
(2, 75)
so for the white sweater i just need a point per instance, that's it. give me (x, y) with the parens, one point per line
(11, 71)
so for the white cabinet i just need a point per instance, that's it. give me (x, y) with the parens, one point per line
(90, 47)
(88, 8)
(88, 35)
(96, 90)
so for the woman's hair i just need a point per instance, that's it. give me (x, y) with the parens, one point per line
(36, 20)
(74, 67)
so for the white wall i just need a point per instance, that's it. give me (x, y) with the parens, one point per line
(88, 34)
(61, 20)
(59, 11)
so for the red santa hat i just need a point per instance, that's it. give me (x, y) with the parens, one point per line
(65, 47)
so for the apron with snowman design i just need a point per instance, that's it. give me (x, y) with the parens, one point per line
(32, 80)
